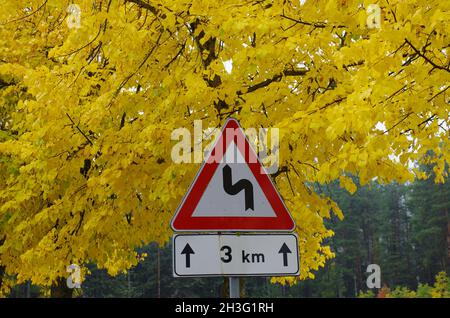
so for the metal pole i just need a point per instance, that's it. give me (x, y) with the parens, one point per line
(234, 287)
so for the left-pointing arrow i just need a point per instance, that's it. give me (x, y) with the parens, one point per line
(187, 250)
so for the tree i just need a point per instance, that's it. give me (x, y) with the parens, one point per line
(441, 288)
(396, 249)
(142, 280)
(429, 204)
(92, 141)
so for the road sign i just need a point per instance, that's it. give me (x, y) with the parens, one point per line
(235, 255)
(232, 191)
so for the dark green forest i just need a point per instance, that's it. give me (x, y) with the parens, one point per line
(402, 228)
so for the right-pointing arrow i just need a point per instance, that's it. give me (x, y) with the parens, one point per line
(284, 250)
(188, 251)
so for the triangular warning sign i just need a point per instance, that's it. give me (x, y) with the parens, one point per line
(232, 191)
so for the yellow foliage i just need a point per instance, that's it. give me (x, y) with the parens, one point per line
(441, 288)
(88, 112)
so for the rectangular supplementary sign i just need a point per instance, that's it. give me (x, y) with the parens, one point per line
(235, 255)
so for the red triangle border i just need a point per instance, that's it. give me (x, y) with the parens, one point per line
(183, 221)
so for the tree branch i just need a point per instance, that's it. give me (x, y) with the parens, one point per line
(422, 55)
(145, 5)
(336, 101)
(320, 24)
(314, 24)
(402, 120)
(176, 55)
(78, 128)
(28, 15)
(427, 120)
(275, 78)
(436, 95)
(125, 81)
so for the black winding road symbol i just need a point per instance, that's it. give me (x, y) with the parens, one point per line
(234, 189)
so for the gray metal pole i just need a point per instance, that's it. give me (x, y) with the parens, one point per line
(234, 287)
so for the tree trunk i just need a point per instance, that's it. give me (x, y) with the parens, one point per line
(242, 287)
(2, 268)
(448, 239)
(225, 292)
(358, 276)
(59, 289)
(2, 272)
(158, 273)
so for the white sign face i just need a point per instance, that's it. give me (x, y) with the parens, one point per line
(235, 255)
(216, 201)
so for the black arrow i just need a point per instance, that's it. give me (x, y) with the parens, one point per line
(284, 250)
(188, 251)
(234, 189)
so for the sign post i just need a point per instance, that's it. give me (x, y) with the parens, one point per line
(232, 195)
(234, 287)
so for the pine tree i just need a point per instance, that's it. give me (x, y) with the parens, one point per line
(396, 260)
(430, 206)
